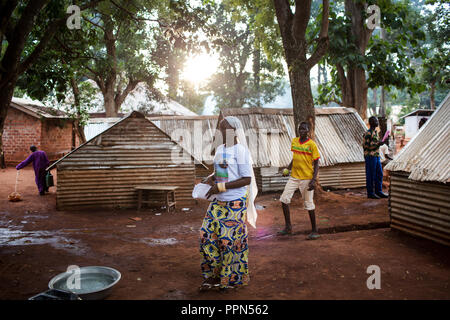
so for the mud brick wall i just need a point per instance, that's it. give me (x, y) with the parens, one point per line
(20, 132)
(56, 138)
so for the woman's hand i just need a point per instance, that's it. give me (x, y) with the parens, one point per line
(214, 190)
(209, 180)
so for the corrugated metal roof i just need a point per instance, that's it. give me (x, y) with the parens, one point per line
(96, 126)
(193, 133)
(419, 112)
(169, 124)
(427, 156)
(37, 109)
(111, 125)
(339, 133)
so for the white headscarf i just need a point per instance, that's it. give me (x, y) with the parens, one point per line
(236, 124)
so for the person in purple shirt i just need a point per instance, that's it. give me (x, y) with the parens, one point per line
(40, 163)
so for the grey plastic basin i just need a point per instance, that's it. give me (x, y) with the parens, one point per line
(95, 282)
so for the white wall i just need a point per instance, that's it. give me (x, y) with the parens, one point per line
(412, 125)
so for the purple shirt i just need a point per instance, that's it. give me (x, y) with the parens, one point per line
(40, 162)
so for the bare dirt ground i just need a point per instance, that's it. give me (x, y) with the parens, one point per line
(159, 259)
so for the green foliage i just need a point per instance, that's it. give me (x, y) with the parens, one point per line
(263, 25)
(330, 91)
(389, 60)
(235, 84)
(436, 68)
(192, 98)
(78, 112)
(436, 64)
(120, 44)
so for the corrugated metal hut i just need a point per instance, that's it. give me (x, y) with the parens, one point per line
(195, 134)
(419, 190)
(338, 132)
(104, 171)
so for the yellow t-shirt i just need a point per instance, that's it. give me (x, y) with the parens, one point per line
(304, 155)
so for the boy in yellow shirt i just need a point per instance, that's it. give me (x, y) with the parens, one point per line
(305, 167)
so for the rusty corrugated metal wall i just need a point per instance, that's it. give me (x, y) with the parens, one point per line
(194, 134)
(343, 176)
(340, 176)
(104, 171)
(420, 208)
(339, 133)
(269, 179)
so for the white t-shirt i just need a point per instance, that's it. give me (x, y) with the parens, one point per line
(237, 158)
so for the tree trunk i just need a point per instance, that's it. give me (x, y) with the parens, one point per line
(79, 129)
(6, 95)
(110, 81)
(324, 74)
(355, 80)
(173, 75)
(11, 65)
(293, 33)
(360, 91)
(109, 104)
(374, 108)
(302, 99)
(256, 73)
(318, 74)
(383, 94)
(432, 90)
(346, 87)
(382, 103)
(355, 92)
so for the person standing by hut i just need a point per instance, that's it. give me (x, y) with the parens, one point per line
(40, 163)
(374, 171)
(224, 234)
(305, 167)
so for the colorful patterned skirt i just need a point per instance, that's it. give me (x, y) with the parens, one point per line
(224, 243)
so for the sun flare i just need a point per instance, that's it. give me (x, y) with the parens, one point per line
(199, 68)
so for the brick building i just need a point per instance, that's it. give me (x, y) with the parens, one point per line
(31, 123)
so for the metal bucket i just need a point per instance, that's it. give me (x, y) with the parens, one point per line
(96, 282)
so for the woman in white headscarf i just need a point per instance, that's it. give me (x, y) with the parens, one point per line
(224, 234)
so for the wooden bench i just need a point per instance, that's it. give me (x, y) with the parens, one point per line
(167, 190)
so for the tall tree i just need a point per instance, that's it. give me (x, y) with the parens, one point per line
(436, 65)
(293, 29)
(119, 33)
(59, 84)
(31, 25)
(362, 59)
(353, 82)
(236, 84)
(283, 28)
